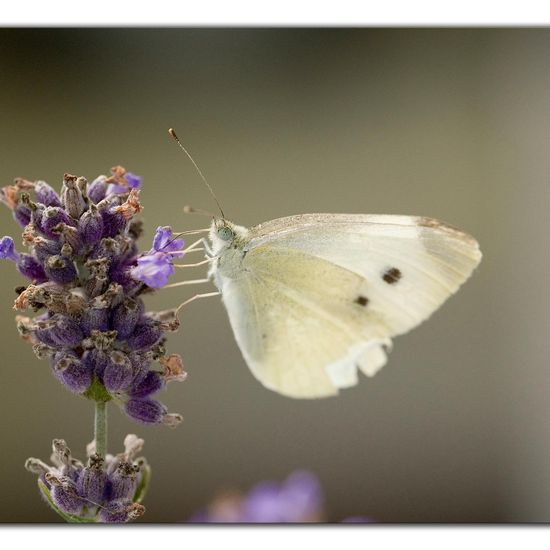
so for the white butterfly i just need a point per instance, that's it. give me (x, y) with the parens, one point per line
(315, 297)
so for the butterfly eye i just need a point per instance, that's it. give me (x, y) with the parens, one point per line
(225, 233)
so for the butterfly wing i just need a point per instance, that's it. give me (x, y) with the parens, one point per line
(319, 295)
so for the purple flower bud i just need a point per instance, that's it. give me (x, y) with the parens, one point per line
(60, 269)
(140, 367)
(71, 372)
(121, 511)
(145, 335)
(51, 218)
(44, 248)
(64, 494)
(44, 334)
(46, 194)
(70, 236)
(107, 248)
(145, 411)
(92, 480)
(124, 481)
(126, 317)
(94, 319)
(37, 212)
(113, 222)
(71, 195)
(152, 383)
(30, 267)
(96, 360)
(66, 331)
(91, 226)
(22, 214)
(97, 189)
(118, 372)
(7, 249)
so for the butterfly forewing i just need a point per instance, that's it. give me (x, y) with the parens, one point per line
(315, 296)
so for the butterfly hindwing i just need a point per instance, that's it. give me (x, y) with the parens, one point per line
(300, 322)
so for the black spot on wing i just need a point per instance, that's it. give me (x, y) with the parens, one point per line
(362, 301)
(392, 275)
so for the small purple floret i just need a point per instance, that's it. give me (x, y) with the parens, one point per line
(134, 182)
(7, 249)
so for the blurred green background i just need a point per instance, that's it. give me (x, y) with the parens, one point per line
(447, 123)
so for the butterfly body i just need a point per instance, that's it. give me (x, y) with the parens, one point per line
(314, 298)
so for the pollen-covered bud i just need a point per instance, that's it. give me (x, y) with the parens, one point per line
(92, 480)
(71, 372)
(113, 221)
(94, 319)
(146, 411)
(96, 360)
(64, 493)
(43, 334)
(22, 214)
(97, 189)
(65, 330)
(30, 267)
(100, 340)
(51, 218)
(126, 317)
(44, 248)
(90, 226)
(36, 210)
(146, 333)
(60, 269)
(124, 481)
(140, 367)
(46, 194)
(121, 511)
(98, 279)
(70, 236)
(152, 383)
(72, 196)
(118, 372)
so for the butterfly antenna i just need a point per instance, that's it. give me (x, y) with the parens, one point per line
(176, 139)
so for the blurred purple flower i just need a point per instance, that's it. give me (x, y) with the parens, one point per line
(298, 499)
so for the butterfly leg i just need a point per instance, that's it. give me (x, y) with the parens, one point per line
(196, 297)
(192, 282)
(207, 261)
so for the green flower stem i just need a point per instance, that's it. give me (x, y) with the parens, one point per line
(100, 428)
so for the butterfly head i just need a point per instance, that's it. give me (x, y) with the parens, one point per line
(224, 235)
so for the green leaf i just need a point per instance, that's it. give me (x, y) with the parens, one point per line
(144, 484)
(69, 518)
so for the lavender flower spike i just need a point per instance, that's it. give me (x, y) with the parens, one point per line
(107, 490)
(91, 321)
(81, 254)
